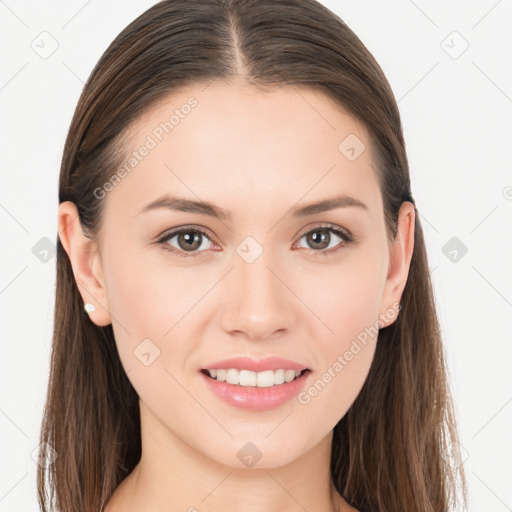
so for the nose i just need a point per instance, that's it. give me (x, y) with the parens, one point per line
(258, 302)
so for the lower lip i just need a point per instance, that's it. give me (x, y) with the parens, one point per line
(254, 398)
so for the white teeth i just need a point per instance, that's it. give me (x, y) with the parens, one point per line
(279, 376)
(232, 376)
(259, 379)
(246, 378)
(265, 379)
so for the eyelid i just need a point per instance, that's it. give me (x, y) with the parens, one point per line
(345, 234)
(167, 235)
(186, 227)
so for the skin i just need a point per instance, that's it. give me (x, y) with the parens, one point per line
(257, 154)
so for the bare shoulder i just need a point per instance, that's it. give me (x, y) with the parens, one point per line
(343, 506)
(118, 500)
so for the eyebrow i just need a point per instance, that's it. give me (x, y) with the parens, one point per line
(182, 204)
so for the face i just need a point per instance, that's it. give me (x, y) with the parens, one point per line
(264, 277)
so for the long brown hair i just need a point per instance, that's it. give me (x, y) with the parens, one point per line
(396, 448)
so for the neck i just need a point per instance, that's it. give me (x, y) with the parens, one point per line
(174, 475)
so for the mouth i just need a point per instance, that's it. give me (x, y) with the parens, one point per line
(250, 379)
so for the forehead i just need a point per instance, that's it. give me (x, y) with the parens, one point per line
(238, 145)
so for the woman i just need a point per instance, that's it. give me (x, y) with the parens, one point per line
(244, 315)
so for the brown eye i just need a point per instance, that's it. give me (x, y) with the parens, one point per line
(188, 240)
(191, 241)
(320, 239)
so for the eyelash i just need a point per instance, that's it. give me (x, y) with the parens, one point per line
(347, 237)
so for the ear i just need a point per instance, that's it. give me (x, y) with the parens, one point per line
(85, 261)
(399, 262)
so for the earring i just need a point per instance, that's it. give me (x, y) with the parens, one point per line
(89, 308)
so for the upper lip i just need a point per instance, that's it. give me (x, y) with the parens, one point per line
(257, 365)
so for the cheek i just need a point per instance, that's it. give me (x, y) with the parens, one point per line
(347, 301)
(149, 295)
(347, 297)
(343, 356)
(149, 305)
(153, 305)
(332, 389)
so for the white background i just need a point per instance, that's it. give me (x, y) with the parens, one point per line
(456, 114)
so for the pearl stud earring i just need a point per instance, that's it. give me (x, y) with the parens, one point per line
(89, 308)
